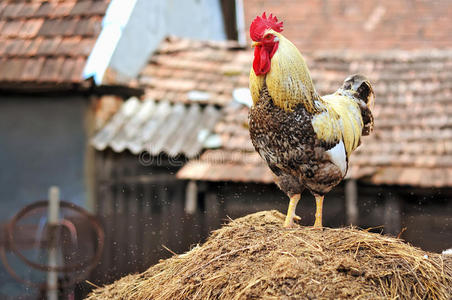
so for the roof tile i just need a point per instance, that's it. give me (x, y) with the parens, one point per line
(48, 37)
(88, 27)
(28, 10)
(30, 28)
(11, 28)
(13, 47)
(48, 46)
(15, 68)
(78, 68)
(32, 69)
(99, 7)
(82, 26)
(49, 27)
(3, 45)
(68, 26)
(81, 8)
(51, 69)
(3, 6)
(34, 46)
(22, 51)
(3, 68)
(46, 9)
(68, 46)
(11, 10)
(67, 69)
(63, 9)
(85, 46)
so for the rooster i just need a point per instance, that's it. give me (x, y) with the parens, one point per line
(304, 138)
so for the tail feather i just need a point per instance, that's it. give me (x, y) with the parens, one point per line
(361, 89)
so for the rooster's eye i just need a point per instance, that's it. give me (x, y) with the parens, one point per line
(268, 37)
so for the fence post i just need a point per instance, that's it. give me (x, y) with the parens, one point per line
(191, 200)
(392, 214)
(53, 216)
(351, 201)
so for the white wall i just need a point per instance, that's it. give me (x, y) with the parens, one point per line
(198, 19)
(151, 20)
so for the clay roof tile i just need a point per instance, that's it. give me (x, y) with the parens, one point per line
(48, 37)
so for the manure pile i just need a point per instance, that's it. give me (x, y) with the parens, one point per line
(254, 257)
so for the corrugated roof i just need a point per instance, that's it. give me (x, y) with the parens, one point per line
(44, 42)
(412, 140)
(155, 127)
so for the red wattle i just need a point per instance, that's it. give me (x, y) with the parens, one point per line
(261, 63)
(262, 58)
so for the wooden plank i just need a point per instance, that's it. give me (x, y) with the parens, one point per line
(351, 201)
(133, 228)
(147, 223)
(176, 194)
(165, 220)
(121, 228)
(105, 213)
(191, 198)
(138, 227)
(392, 219)
(213, 211)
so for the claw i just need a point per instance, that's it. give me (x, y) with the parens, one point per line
(317, 225)
(289, 224)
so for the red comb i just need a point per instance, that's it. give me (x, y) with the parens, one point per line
(260, 24)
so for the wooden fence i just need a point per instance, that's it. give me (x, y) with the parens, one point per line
(142, 211)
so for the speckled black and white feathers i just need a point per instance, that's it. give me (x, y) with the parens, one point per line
(359, 87)
(287, 142)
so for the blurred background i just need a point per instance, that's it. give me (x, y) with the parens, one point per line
(136, 110)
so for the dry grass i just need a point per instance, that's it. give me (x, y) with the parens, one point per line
(255, 258)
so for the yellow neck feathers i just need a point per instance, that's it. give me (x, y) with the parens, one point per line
(288, 80)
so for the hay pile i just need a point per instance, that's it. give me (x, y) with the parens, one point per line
(255, 258)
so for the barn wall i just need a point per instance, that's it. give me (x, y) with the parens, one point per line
(423, 214)
(43, 142)
(141, 206)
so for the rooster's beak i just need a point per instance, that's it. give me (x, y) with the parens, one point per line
(254, 44)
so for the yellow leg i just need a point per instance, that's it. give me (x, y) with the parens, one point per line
(318, 211)
(288, 223)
